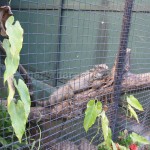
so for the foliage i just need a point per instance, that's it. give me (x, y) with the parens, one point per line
(137, 138)
(124, 138)
(91, 113)
(105, 124)
(133, 113)
(6, 130)
(18, 109)
(134, 103)
(126, 141)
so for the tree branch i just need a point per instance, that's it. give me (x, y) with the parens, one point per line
(70, 100)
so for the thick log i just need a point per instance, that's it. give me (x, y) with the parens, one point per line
(98, 83)
(73, 107)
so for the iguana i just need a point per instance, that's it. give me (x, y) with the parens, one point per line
(97, 77)
(79, 83)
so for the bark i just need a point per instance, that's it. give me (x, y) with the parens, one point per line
(70, 100)
(73, 107)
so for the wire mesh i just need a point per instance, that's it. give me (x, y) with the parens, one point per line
(62, 40)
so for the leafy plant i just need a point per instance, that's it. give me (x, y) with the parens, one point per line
(126, 141)
(124, 138)
(18, 109)
(92, 112)
(134, 103)
(7, 130)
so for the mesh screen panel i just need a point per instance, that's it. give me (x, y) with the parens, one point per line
(62, 40)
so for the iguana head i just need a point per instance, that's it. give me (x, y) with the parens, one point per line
(101, 67)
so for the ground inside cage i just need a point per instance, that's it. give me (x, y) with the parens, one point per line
(64, 135)
(70, 135)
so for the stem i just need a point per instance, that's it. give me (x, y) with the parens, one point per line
(98, 129)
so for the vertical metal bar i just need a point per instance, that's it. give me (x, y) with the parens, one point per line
(58, 43)
(126, 22)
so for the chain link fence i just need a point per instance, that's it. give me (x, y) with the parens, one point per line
(66, 43)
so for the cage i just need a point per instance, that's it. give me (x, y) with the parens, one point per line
(66, 42)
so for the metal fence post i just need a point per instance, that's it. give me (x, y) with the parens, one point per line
(126, 23)
(56, 75)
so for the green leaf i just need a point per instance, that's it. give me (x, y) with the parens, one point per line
(133, 113)
(109, 138)
(140, 139)
(3, 141)
(134, 103)
(114, 145)
(9, 21)
(90, 115)
(99, 107)
(11, 62)
(105, 123)
(24, 95)
(123, 147)
(109, 133)
(18, 111)
(101, 144)
(18, 118)
(15, 33)
(12, 47)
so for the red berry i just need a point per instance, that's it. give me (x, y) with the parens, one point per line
(133, 147)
